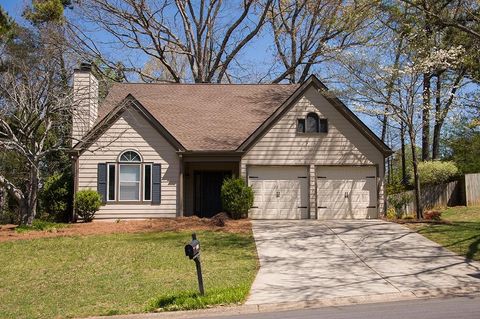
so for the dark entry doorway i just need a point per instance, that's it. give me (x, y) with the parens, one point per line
(207, 187)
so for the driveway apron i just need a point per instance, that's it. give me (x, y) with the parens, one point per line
(310, 260)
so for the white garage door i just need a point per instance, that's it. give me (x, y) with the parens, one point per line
(281, 192)
(346, 192)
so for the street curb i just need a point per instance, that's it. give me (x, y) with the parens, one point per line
(305, 304)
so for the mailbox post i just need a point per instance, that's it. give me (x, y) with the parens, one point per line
(192, 251)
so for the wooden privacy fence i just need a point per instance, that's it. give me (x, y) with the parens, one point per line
(465, 191)
(472, 189)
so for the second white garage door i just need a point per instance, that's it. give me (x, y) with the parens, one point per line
(345, 192)
(281, 192)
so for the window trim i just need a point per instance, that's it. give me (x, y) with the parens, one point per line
(319, 120)
(115, 188)
(320, 125)
(300, 120)
(151, 181)
(139, 164)
(119, 158)
(316, 118)
(117, 164)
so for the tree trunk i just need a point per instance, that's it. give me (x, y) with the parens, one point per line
(27, 205)
(384, 126)
(416, 178)
(426, 118)
(403, 155)
(438, 120)
(3, 198)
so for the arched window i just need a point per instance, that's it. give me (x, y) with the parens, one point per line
(312, 125)
(130, 171)
(130, 156)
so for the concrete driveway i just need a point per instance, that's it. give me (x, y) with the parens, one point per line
(311, 260)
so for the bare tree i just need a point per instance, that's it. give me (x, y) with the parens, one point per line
(309, 32)
(209, 34)
(33, 111)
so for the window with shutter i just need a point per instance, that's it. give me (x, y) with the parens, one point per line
(312, 123)
(323, 126)
(129, 180)
(156, 184)
(147, 182)
(102, 181)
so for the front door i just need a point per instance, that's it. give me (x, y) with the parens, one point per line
(207, 190)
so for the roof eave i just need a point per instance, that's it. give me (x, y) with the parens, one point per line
(113, 115)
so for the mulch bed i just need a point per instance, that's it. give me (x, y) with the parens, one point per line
(417, 221)
(421, 221)
(8, 233)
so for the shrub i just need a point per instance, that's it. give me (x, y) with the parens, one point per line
(432, 215)
(395, 187)
(237, 197)
(436, 172)
(391, 213)
(398, 202)
(56, 197)
(8, 216)
(87, 203)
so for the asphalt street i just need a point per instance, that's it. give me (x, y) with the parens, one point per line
(444, 308)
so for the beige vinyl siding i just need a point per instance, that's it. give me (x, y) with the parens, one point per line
(342, 145)
(133, 132)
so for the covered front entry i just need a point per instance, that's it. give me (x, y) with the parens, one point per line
(281, 192)
(206, 193)
(202, 186)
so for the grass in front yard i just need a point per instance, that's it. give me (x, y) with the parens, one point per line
(40, 225)
(462, 235)
(121, 273)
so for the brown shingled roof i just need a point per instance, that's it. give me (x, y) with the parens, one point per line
(205, 117)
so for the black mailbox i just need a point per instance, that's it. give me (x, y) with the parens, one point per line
(192, 249)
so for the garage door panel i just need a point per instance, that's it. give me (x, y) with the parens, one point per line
(330, 183)
(280, 191)
(337, 182)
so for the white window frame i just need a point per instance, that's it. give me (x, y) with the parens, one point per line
(139, 164)
(115, 182)
(151, 181)
(119, 158)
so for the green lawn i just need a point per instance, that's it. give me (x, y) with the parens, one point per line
(462, 236)
(122, 273)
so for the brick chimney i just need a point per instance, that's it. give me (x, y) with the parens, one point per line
(85, 101)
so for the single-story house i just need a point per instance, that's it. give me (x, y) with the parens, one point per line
(163, 150)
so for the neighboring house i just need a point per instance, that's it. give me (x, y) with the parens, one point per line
(163, 150)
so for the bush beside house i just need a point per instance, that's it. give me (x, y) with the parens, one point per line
(87, 203)
(237, 197)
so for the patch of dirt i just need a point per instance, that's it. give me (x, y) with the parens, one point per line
(8, 233)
